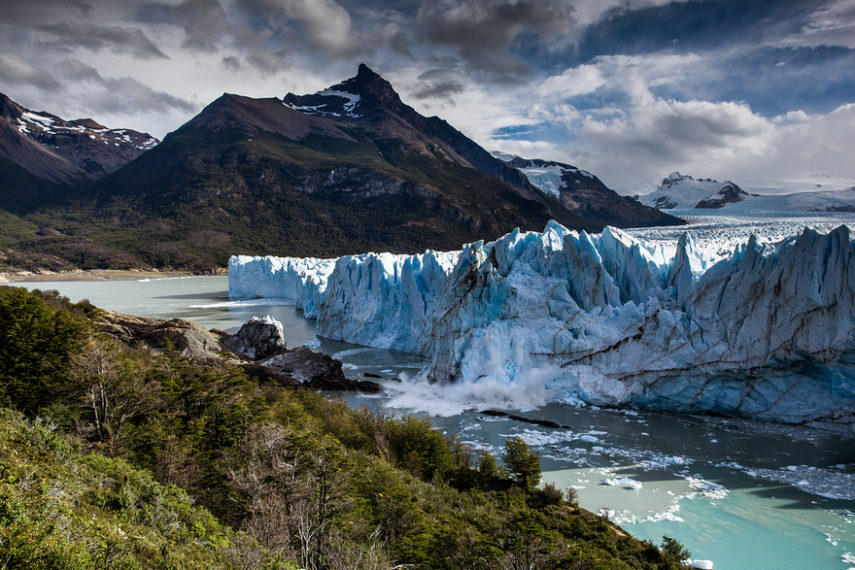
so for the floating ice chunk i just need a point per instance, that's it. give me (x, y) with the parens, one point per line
(624, 482)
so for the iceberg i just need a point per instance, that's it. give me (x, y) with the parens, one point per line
(604, 319)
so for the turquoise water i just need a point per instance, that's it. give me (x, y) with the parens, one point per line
(743, 494)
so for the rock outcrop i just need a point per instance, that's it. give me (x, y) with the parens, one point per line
(186, 338)
(258, 347)
(258, 338)
(316, 370)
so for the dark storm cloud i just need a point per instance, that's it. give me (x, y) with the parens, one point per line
(35, 11)
(322, 25)
(268, 61)
(15, 70)
(440, 84)
(775, 80)
(485, 32)
(692, 27)
(204, 21)
(115, 38)
(231, 63)
(121, 94)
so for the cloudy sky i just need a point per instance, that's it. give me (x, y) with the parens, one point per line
(758, 91)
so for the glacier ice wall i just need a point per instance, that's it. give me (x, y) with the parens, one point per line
(298, 279)
(766, 333)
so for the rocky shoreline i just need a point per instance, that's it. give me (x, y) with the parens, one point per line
(101, 274)
(258, 348)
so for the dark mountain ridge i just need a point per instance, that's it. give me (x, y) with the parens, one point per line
(43, 157)
(585, 195)
(348, 169)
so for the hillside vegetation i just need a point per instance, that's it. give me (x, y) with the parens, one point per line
(114, 457)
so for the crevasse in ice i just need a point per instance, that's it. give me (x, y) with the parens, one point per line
(766, 333)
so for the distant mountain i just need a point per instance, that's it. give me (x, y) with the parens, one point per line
(682, 192)
(43, 156)
(585, 195)
(679, 192)
(797, 203)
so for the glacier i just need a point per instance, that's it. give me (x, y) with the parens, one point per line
(603, 319)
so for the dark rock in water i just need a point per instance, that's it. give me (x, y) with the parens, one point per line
(535, 421)
(316, 370)
(368, 387)
(371, 375)
(258, 338)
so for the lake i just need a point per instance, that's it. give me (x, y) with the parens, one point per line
(743, 494)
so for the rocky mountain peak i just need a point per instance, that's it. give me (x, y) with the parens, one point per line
(674, 178)
(365, 92)
(371, 87)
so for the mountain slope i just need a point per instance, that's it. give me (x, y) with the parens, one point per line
(584, 194)
(42, 156)
(347, 169)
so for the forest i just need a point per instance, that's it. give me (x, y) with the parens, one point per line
(118, 456)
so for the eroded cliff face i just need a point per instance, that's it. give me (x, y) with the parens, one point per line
(602, 319)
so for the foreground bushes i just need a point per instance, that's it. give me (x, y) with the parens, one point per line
(157, 462)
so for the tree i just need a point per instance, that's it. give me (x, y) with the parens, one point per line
(673, 548)
(522, 463)
(36, 338)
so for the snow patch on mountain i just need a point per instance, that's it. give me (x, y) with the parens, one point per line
(546, 175)
(547, 178)
(327, 103)
(45, 127)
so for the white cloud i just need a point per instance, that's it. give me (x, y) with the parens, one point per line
(724, 140)
(574, 81)
(832, 24)
(632, 144)
(589, 12)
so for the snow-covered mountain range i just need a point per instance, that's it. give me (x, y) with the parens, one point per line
(603, 319)
(682, 192)
(43, 157)
(53, 148)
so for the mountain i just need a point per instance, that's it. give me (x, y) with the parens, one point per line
(679, 192)
(815, 201)
(350, 168)
(43, 156)
(584, 194)
(682, 192)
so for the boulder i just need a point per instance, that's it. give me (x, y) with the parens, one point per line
(258, 338)
(316, 370)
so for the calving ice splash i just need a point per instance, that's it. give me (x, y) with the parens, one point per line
(602, 319)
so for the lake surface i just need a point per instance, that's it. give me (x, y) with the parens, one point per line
(743, 494)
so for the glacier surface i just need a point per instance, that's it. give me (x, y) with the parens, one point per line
(603, 319)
